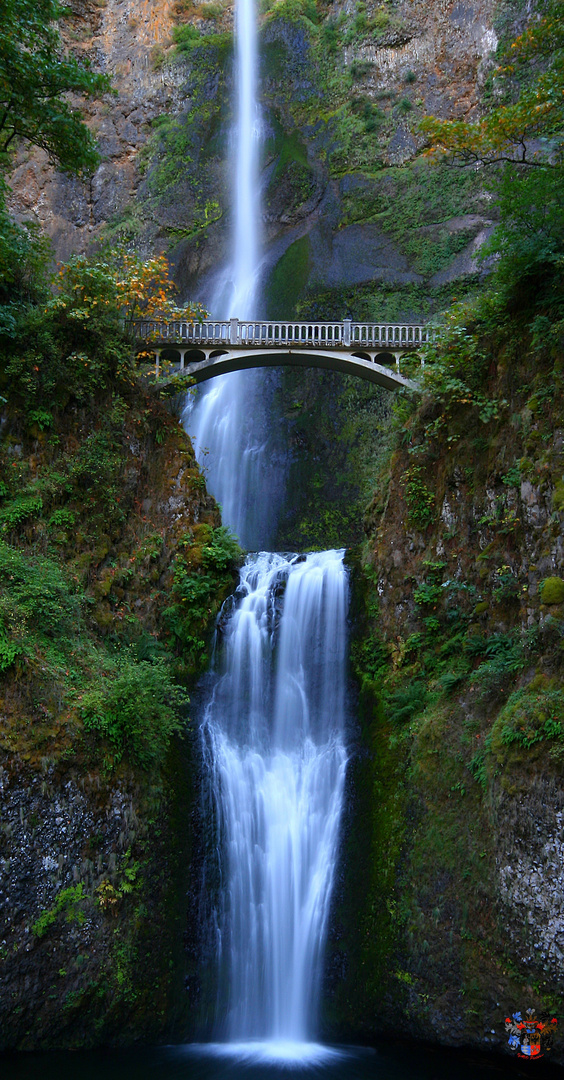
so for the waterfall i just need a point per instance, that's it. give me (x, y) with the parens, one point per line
(273, 727)
(230, 419)
(274, 737)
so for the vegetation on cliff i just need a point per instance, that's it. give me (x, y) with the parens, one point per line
(458, 649)
(113, 566)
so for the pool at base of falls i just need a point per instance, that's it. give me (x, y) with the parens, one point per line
(244, 1061)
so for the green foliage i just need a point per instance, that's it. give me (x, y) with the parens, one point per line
(36, 597)
(292, 10)
(24, 258)
(506, 585)
(8, 650)
(407, 702)
(57, 356)
(419, 498)
(455, 370)
(528, 242)
(222, 552)
(70, 901)
(530, 717)
(186, 37)
(19, 510)
(198, 592)
(135, 706)
(36, 78)
(505, 655)
(552, 590)
(428, 593)
(521, 135)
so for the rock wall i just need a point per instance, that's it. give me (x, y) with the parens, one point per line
(99, 847)
(450, 912)
(348, 201)
(118, 37)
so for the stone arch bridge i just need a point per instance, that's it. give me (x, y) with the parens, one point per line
(372, 351)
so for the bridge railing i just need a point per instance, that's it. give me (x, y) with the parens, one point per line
(295, 333)
(390, 334)
(329, 334)
(206, 333)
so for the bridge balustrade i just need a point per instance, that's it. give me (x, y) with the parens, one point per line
(376, 334)
(231, 332)
(275, 333)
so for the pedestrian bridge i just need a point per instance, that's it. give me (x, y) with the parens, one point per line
(373, 351)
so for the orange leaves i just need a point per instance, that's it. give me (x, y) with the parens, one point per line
(134, 288)
(534, 64)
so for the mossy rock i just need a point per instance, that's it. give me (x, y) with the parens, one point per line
(558, 496)
(528, 733)
(552, 590)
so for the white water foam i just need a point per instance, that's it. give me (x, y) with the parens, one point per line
(291, 1055)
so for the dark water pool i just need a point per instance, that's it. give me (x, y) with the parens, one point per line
(258, 1063)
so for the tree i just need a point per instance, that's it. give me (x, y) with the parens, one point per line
(121, 285)
(35, 77)
(78, 342)
(521, 139)
(526, 128)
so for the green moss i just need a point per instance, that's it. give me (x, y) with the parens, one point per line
(403, 201)
(558, 496)
(552, 590)
(70, 901)
(529, 729)
(374, 302)
(288, 280)
(292, 11)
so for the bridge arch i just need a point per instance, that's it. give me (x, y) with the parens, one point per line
(221, 362)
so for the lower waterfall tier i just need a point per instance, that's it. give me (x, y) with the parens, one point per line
(274, 739)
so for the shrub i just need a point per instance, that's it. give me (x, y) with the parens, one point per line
(186, 37)
(136, 707)
(35, 593)
(552, 590)
(223, 551)
(406, 702)
(420, 500)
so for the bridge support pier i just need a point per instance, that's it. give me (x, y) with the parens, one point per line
(182, 355)
(157, 362)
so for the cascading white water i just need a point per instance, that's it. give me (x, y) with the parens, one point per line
(229, 420)
(273, 729)
(274, 736)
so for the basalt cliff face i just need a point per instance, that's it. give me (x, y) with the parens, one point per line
(348, 200)
(119, 38)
